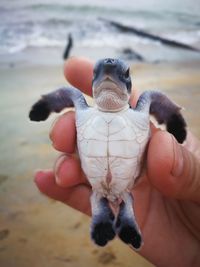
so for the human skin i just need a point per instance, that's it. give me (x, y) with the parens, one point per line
(166, 196)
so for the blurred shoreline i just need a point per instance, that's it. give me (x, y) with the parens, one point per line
(41, 24)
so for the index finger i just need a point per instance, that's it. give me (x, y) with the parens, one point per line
(79, 72)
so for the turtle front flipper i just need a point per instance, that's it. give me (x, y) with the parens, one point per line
(165, 111)
(56, 101)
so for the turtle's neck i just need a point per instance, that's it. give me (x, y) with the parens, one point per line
(113, 110)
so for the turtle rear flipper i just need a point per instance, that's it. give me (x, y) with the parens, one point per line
(102, 226)
(56, 102)
(165, 111)
(126, 225)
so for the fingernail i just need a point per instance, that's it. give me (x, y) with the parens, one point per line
(58, 166)
(178, 165)
(39, 173)
(51, 129)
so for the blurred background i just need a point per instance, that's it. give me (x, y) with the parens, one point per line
(161, 42)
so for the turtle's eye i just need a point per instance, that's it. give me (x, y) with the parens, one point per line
(127, 74)
(94, 73)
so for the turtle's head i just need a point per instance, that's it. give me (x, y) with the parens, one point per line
(111, 85)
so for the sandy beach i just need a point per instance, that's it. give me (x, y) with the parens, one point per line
(34, 230)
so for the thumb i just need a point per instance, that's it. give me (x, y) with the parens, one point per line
(172, 169)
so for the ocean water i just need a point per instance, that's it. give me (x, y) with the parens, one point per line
(46, 23)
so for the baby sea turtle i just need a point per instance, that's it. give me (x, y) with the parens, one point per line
(112, 138)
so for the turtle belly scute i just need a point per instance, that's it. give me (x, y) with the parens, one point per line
(110, 147)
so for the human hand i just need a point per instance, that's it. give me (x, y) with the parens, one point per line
(167, 196)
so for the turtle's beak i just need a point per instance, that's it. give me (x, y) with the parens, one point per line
(108, 78)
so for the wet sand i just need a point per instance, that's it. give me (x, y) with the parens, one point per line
(37, 231)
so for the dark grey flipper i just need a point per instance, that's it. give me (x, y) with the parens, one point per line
(165, 111)
(126, 225)
(56, 101)
(102, 229)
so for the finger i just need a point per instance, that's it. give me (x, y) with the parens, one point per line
(134, 97)
(63, 133)
(193, 144)
(172, 169)
(76, 197)
(68, 171)
(79, 72)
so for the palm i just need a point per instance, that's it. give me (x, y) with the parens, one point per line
(165, 225)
